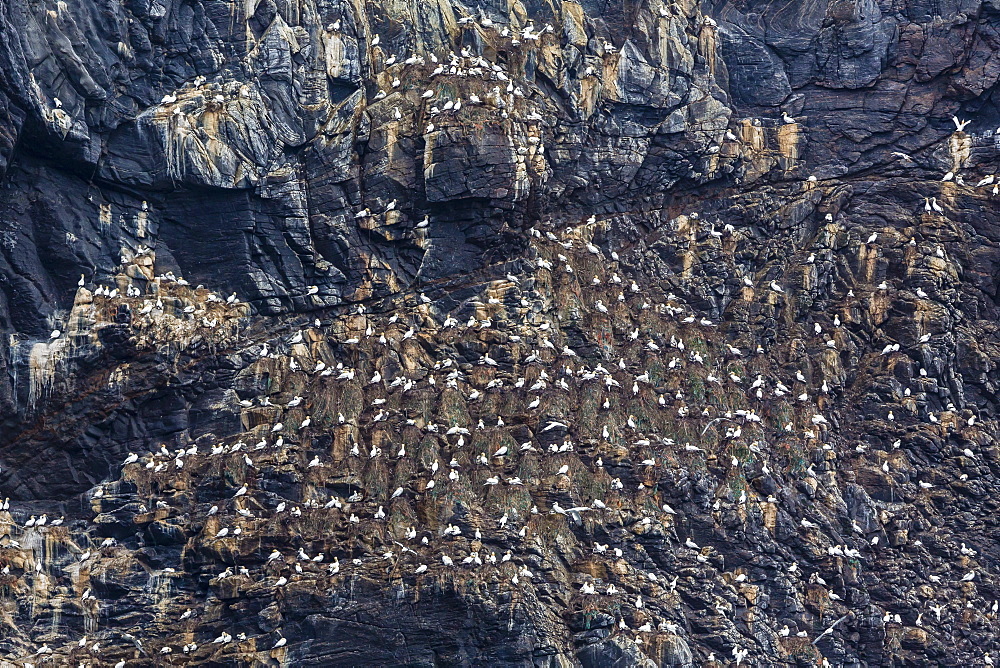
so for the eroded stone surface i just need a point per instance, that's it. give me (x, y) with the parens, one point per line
(725, 220)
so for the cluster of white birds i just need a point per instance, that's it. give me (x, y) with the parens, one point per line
(538, 433)
(497, 429)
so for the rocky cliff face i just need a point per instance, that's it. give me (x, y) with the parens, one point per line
(549, 334)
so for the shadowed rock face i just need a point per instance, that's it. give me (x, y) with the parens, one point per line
(560, 334)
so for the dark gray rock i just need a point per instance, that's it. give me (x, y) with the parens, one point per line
(769, 176)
